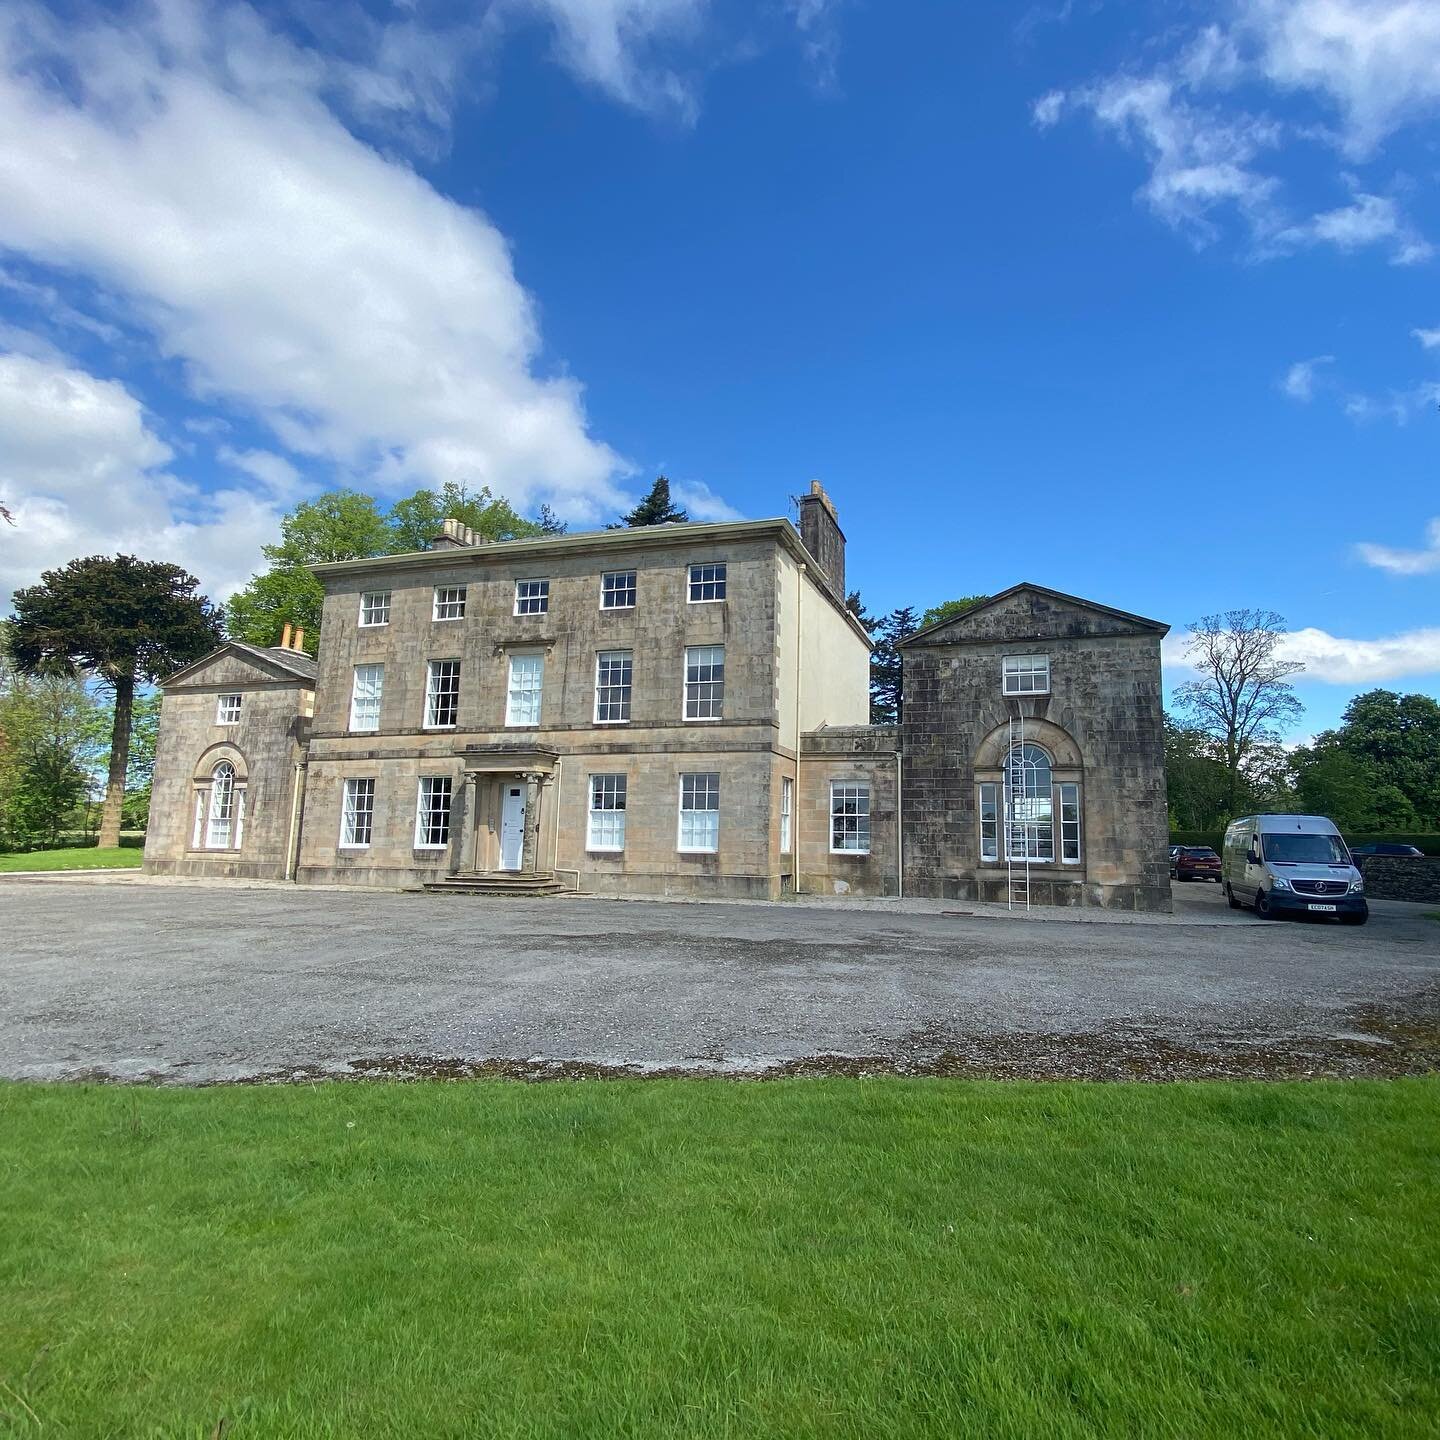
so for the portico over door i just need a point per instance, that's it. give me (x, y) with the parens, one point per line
(512, 825)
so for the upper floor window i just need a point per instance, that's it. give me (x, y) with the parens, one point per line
(617, 590)
(849, 817)
(365, 697)
(704, 682)
(227, 710)
(613, 672)
(707, 582)
(700, 812)
(375, 607)
(357, 812)
(442, 695)
(607, 813)
(432, 813)
(527, 682)
(532, 597)
(1026, 675)
(449, 602)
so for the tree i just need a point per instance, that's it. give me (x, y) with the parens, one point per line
(416, 520)
(1242, 698)
(1195, 779)
(50, 744)
(144, 732)
(1382, 764)
(856, 607)
(948, 609)
(885, 665)
(550, 523)
(123, 621)
(655, 509)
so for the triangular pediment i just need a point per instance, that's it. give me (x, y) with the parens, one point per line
(239, 666)
(1033, 612)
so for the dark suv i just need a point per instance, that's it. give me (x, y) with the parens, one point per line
(1359, 852)
(1195, 862)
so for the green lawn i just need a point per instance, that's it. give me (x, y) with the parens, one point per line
(81, 858)
(868, 1259)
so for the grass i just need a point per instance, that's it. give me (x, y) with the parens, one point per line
(81, 858)
(882, 1258)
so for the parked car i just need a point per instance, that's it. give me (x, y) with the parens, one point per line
(1360, 851)
(1194, 862)
(1282, 863)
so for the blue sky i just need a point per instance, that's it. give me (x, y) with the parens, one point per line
(1137, 301)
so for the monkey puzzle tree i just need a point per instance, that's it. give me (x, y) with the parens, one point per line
(123, 621)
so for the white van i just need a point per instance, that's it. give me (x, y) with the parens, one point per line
(1291, 863)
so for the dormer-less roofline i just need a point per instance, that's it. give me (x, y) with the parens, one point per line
(1140, 622)
(595, 542)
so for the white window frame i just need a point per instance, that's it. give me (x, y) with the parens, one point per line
(787, 815)
(222, 830)
(425, 814)
(512, 691)
(843, 792)
(989, 801)
(712, 700)
(716, 580)
(535, 600)
(352, 811)
(373, 602)
(605, 822)
(609, 591)
(448, 598)
(228, 708)
(714, 826)
(625, 659)
(356, 699)
(434, 693)
(1017, 668)
(1067, 797)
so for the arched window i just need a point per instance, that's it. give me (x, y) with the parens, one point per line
(1029, 803)
(222, 806)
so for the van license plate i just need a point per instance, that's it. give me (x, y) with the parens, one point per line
(1329, 909)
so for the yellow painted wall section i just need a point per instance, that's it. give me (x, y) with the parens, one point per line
(834, 663)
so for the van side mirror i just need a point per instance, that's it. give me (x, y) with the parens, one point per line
(1252, 856)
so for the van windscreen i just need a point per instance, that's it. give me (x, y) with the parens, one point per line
(1283, 849)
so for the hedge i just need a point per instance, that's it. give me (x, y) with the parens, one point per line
(1428, 842)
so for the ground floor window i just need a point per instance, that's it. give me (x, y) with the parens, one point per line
(700, 812)
(849, 817)
(607, 812)
(432, 817)
(357, 812)
(787, 806)
(226, 810)
(1025, 811)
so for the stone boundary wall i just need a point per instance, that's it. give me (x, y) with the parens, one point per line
(1402, 877)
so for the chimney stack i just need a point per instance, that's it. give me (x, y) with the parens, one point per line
(823, 538)
(455, 535)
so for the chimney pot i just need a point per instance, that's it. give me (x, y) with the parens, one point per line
(300, 638)
(285, 638)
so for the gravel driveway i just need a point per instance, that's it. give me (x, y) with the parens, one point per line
(122, 978)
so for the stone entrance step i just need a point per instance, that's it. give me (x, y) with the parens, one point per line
(496, 884)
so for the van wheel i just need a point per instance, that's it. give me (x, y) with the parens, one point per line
(1230, 898)
(1263, 907)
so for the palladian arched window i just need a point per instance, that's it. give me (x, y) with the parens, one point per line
(222, 806)
(1029, 813)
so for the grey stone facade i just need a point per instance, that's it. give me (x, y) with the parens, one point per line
(263, 746)
(1096, 729)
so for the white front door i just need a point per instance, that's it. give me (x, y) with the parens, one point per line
(512, 827)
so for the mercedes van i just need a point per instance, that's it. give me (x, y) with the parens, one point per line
(1291, 863)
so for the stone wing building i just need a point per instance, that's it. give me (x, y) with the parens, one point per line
(672, 709)
(1032, 731)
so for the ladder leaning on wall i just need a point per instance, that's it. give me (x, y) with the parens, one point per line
(1017, 823)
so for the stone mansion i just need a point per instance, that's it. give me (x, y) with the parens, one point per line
(672, 709)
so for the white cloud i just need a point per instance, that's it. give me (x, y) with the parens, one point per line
(1370, 66)
(1405, 562)
(83, 473)
(292, 269)
(1299, 381)
(1428, 338)
(1368, 220)
(1335, 660)
(611, 44)
(273, 471)
(701, 502)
